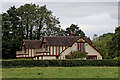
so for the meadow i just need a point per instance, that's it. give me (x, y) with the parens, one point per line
(60, 72)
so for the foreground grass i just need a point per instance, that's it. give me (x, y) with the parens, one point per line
(61, 72)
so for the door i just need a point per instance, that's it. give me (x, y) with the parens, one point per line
(66, 57)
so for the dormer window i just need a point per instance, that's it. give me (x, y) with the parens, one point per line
(24, 48)
(45, 46)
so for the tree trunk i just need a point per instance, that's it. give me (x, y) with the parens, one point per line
(27, 29)
(31, 33)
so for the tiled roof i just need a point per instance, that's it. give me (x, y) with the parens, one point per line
(88, 39)
(32, 44)
(63, 41)
(53, 41)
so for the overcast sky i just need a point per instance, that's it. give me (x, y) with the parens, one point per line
(91, 17)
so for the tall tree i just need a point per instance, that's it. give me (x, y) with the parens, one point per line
(74, 29)
(27, 15)
(46, 23)
(95, 37)
(37, 21)
(101, 44)
(10, 29)
(29, 21)
(0, 36)
(114, 44)
(6, 35)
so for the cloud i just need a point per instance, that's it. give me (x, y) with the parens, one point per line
(94, 24)
(92, 17)
(60, 0)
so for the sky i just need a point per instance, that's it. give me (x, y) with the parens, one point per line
(91, 17)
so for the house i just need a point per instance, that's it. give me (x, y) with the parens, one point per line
(57, 48)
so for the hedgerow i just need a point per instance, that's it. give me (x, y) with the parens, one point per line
(58, 63)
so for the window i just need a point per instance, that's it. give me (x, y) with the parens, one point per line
(66, 57)
(81, 46)
(45, 46)
(92, 57)
(24, 48)
(57, 57)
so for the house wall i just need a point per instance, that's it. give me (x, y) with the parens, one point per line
(91, 51)
(68, 51)
(88, 48)
(55, 50)
(49, 57)
(32, 52)
(45, 58)
(29, 53)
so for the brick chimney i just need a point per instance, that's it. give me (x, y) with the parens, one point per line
(72, 33)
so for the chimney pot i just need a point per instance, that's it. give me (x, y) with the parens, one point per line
(72, 33)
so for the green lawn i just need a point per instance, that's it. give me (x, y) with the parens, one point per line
(61, 72)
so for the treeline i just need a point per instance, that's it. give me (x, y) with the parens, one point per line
(108, 44)
(30, 22)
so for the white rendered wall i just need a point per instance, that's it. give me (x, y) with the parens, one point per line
(91, 51)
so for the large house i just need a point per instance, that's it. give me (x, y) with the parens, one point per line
(57, 48)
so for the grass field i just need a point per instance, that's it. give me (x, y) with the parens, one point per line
(61, 72)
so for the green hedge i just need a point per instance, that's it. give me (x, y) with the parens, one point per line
(58, 63)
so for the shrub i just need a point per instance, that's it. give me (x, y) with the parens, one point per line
(77, 54)
(59, 63)
(116, 58)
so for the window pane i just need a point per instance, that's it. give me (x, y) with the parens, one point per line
(95, 57)
(84, 46)
(78, 46)
(81, 46)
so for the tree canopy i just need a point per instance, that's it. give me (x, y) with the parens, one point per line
(74, 29)
(29, 21)
(109, 44)
(114, 44)
(101, 43)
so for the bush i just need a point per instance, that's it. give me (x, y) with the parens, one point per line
(58, 63)
(116, 58)
(77, 54)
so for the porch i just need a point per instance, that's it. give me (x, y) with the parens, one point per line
(30, 53)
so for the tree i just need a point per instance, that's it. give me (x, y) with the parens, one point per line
(10, 28)
(73, 29)
(101, 44)
(27, 14)
(77, 54)
(46, 23)
(0, 36)
(95, 37)
(114, 44)
(37, 21)
(29, 21)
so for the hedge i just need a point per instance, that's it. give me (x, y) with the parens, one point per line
(58, 63)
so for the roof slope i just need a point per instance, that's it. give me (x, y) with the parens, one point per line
(62, 40)
(32, 44)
